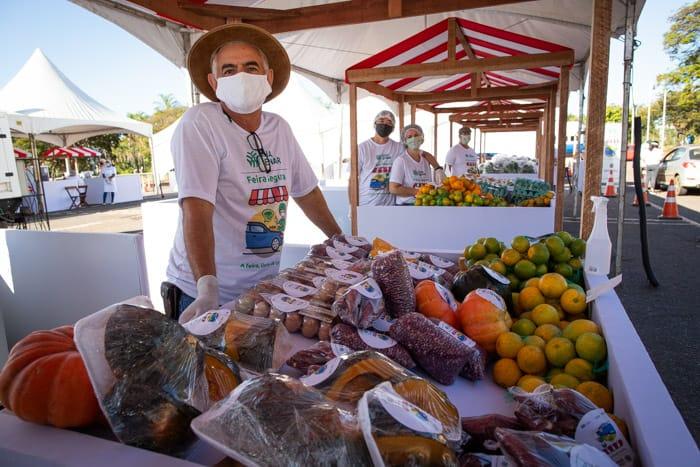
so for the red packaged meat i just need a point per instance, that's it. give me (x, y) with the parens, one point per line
(482, 429)
(364, 339)
(361, 304)
(391, 273)
(308, 360)
(436, 349)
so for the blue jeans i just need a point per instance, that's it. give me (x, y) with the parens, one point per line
(183, 303)
(104, 196)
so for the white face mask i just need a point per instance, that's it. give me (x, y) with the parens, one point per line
(464, 139)
(243, 93)
(414, 142)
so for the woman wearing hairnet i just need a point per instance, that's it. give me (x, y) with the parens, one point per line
(412, 169)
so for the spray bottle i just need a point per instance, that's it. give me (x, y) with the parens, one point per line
(599, 246)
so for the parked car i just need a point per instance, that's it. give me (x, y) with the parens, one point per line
(258, 235)
(682, 165)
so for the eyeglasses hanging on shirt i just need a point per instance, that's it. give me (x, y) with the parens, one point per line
(263, 160)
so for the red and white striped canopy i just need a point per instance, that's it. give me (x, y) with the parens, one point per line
(19, 154)
(73, 151)
(430, 46)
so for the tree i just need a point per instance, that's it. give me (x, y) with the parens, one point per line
(165, 102)
(613, 113)
(682, 44)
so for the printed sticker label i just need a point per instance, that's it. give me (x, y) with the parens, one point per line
(356, 241)
(318, 281)
(344, 276)
(383, 325)
(344, 247)
(493, 297)
(597, 429)
(410, 255)
(456, 334)
(208, 322)
(341, 264)
(418, 271)
(375, 339)
(288, 304)
(408, 414)
(369, 288)
(322, 374)
(339, 350)
(447, 296)
(497, 276)
(335, 254)
(298, 290)
(584, 455)
(441, 262)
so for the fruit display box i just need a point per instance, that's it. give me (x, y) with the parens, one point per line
(422, 228)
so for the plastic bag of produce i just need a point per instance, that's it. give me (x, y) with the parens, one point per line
(440, 262)
(256, 343)
(533, 449)
(275, 420)
(439, 349)
(391, 273)
(151, 377)
(361, 304)
(480, 277)
(482, 430)
(399, 433)
(360, 242)
(568, 412)
(366, 339)
(345, 247)
(344, 379)
(421, 271)
(326, 252)
(309, 360)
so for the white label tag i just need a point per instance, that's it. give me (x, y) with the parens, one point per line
(298, 290)
(322, 374)
(419, 272)
(410, 255)
(356, 241)
(584, 455)
(335, 254)
(437, 272)
(318, 281)
(493, 297)
(340, 264)
(597, 429)
(344, 247)
(456, 334)
(383, 325)
(208, 322)
(447, 296)
(344, 277)
(497, 276)
(599, 290)
(339, 350)
(408, 414)
(441, 262)
(369, 288)
(287, 304)
(375, 339)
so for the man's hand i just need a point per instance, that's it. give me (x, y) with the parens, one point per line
(315, 207)
(207, 299)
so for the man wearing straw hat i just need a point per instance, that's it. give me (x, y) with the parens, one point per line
(236, 168)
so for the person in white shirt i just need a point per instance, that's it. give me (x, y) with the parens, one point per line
(412, 169)
(461, 159)
(650, 159)
(236, 168)
(109, 176)
(375, 158)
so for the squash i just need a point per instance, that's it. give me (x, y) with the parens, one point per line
(484, 317)
(45, 381)
(434, 301)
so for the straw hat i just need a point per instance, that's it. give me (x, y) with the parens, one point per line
(198, 60)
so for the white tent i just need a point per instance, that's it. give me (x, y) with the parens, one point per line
(42, 101)
(323, 54)
(162, 157)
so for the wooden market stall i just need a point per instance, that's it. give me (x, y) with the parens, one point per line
(457, 60)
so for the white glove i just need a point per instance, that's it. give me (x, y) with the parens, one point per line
(207, 299)
(439, 176)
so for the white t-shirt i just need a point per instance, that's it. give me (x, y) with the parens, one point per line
(375, 161)
(410, 173)
(214, 162)
(110, 186)
(652, 157)
(463, 160)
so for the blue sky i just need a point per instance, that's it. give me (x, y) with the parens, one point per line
(126, 75)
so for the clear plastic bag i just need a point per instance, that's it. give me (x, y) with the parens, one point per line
(275, 420)
(151, 377)
(361, 304)
(482, 430)
(256, 343)
(535, 449)
(440, 262)
(365, 339)
(399, 433)
(390, 270)
(309, 360)
(339, 243)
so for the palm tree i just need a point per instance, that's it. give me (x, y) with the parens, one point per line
(165, 102)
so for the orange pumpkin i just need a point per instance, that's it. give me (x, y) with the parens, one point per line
(45, 381)
(433, 304)
(484, 317)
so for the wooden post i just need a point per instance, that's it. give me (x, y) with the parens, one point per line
(401, 113)
(354, 178)
(452, 131)
(550, 138)
(538, 144)
(413, 114)
(435, 128)
(595, 120)
(561, 147)
(542, 156)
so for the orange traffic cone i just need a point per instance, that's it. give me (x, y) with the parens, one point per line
(610, 187)
(646, 195)
(670, 207)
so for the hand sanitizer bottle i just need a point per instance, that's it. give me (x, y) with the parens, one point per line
(598, 245)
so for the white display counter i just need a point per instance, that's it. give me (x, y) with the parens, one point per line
(510, 176)
(57, 199)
